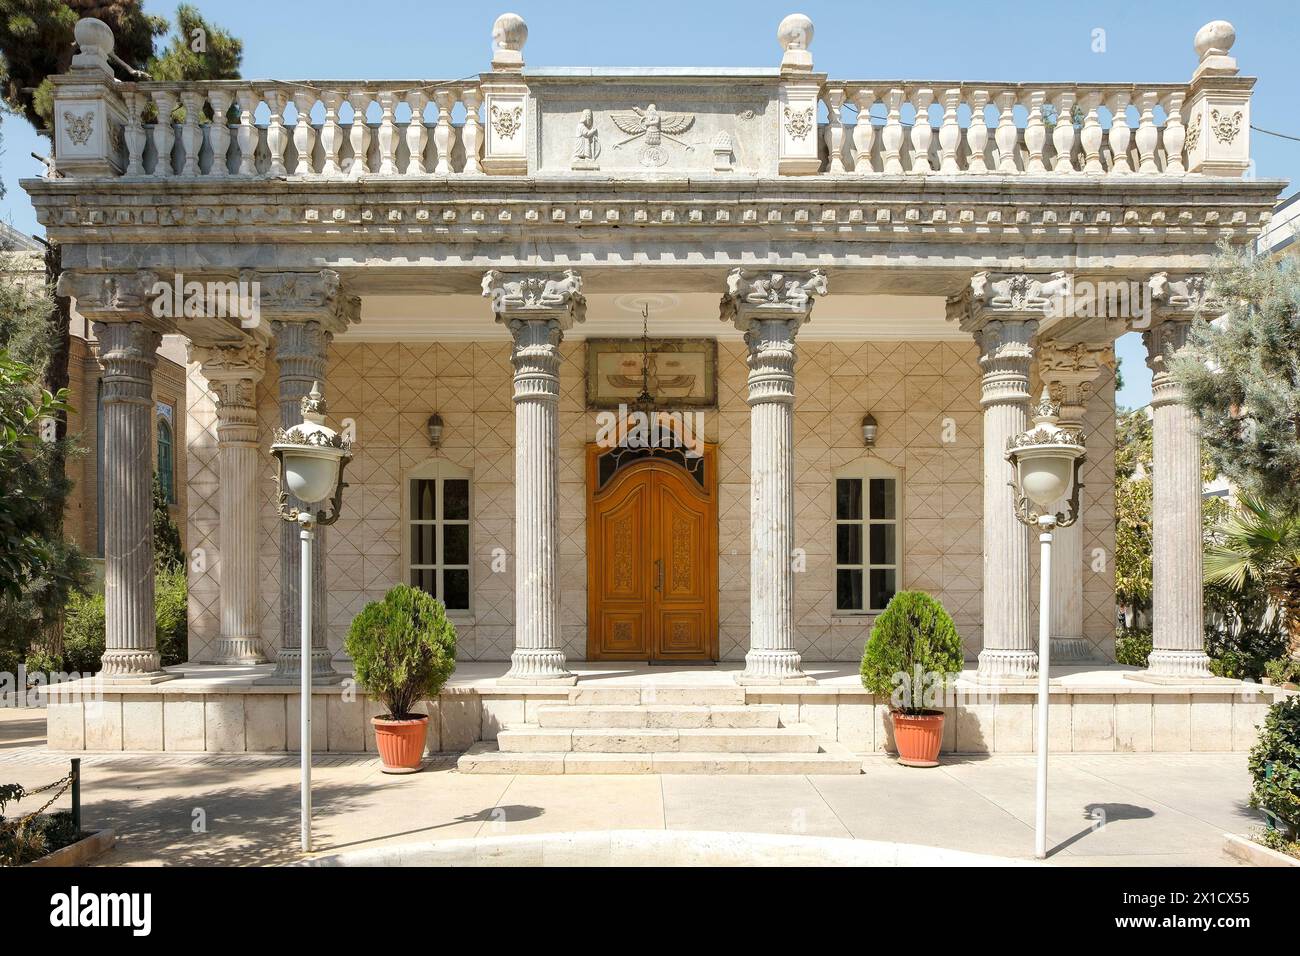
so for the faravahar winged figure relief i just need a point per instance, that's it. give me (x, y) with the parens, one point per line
(655, 127)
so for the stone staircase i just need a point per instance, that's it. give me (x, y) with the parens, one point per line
(654, 729)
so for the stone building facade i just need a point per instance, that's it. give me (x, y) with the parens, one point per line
(458, 249)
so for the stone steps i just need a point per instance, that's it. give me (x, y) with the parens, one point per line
(530, 738)
(689, 695)
(484, 757)
(679, 717)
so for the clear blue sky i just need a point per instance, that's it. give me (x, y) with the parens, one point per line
(967, 40)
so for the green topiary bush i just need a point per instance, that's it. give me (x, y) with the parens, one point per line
(912, 654)
(83, 632)
(1132, 647)
(403, 649)
(1275, 765)
(171, 614)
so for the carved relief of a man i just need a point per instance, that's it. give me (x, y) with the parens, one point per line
(586, 145)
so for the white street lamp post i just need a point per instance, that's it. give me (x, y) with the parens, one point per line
(1047, 461)
(311, 458)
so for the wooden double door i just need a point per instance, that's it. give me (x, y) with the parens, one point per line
(652, 555)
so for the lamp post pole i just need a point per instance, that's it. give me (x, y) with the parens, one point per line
(1046, 523)
(1046, 465)
(307, 534)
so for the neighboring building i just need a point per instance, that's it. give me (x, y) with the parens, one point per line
(1279, 236)
(495, 270)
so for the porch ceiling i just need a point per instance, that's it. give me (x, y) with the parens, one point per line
(407, 318)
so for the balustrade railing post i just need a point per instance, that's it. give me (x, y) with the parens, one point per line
(864, 132)
(922, 132)
(219, 132)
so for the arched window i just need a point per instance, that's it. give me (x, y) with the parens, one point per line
(166, 461)
(868, 545)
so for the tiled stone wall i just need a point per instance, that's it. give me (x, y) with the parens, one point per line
(922, 395)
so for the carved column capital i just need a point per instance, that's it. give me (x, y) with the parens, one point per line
(233, 371)
(304, 297)
(128, 351)
(1161, 341)
(771, 295)
(117, 296)
(1069, 370)
(1182, 296)
(552, 297)
(1007, 296)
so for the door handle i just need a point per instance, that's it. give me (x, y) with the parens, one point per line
(659, 574)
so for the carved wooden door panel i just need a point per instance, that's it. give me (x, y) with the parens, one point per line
(680, 542)
(652, 563)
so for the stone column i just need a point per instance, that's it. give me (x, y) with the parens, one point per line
(305, 309)
(121, 309)
(233, 372)
(1178, 627)
(537, 308)
(1002, 311)
(769, 307)
(1069, 370)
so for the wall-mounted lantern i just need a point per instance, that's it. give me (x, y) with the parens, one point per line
(869, 429)
(434, 425)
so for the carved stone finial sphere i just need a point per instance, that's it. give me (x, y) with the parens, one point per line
(509, 32)
(93, 35)
(795, 32)
(1215, 38)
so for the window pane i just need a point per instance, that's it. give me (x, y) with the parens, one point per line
(456, 584)
(848, 590)
(848, 498)
(426, 579)
(848, 544)
(455, 544)
(422, 536)
(423, 499)
(455, 498)
(882, 498)
(882, 543)
(882, 588)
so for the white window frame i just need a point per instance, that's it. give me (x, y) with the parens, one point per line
(864, 470)
(439, 470)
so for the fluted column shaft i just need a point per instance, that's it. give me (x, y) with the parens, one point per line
(772, 654)
(127, 351)
(1068, 642)
(537, 308)
(538, 654)
(769, 308)
(300, 348)
(233, 373)
(1069, 370)
(1178, 637)
(1005, 358)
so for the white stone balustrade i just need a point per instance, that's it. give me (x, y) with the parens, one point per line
(287, 129)
(1020, 128)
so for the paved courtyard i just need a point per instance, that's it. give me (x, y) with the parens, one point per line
(1105, 809)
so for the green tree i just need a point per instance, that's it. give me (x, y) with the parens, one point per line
(197, 50)
(1133, 542)
(1257, 547)
(1241, 375)
(167, 552)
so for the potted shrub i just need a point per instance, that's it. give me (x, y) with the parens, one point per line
(910, 657)
(403, 649)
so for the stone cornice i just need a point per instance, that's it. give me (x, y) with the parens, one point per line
(939, 208)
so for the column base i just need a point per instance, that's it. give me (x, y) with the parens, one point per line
(773, 667)
(1173, 667)
(122, 664)
(240, 650)
(1002, 664)
(288, 668)
(1071, 649)
(545, 666)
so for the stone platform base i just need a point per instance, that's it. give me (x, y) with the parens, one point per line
(224, 709)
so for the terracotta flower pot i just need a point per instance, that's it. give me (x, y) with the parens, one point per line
(918, 738)
(400, 743)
